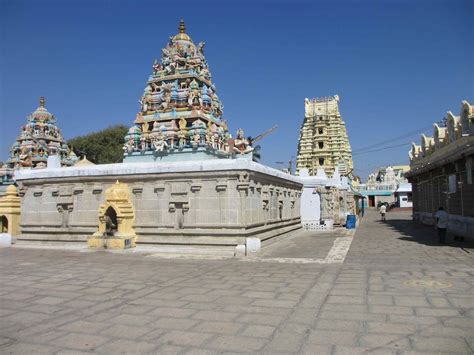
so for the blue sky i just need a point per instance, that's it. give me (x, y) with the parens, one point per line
(397, 66)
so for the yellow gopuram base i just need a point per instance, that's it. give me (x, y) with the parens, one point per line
(111, 242)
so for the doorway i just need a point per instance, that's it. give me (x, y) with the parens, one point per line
(371, 201)
(110, 221)
(3, 224)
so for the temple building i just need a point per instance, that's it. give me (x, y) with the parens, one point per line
(323, 141)
(185, 183)
(180, 112)
(382, 186)
(39, 138)
(441, 173)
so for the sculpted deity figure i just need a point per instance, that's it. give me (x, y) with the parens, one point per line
(145, 127)
(182, 123)
(200, 49)
(205, 73)
(165, 53)
(26, 160)
(139, 117)
(160, 143)
(156, 66)
(182, 134)
(154, 87)
(166, 100)
(144, 102)
(171, 137)
(143, 143)
(195, 138)
(190, 98)
(241, 145)
(194, 85)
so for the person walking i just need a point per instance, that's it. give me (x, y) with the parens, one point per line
(383, 211)
(441, 224)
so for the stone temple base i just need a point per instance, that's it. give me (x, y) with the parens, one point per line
(113, 243)
(212, 203)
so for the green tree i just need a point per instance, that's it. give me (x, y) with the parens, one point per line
(102, 147)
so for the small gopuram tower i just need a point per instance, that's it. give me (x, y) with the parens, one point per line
(323, 141)
(39, 138)
(180, 112)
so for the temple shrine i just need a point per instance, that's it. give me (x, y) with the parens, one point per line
(185, 183)
(38, 139)
(180, 111)
(323, 141)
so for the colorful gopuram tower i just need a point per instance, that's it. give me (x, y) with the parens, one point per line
(323, 141)
(180, 115)
(39, 138)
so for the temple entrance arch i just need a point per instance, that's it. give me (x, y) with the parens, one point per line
(3, 224)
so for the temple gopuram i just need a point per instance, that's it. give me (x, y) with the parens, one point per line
(39, 138)
(323, 141)
(180, 111)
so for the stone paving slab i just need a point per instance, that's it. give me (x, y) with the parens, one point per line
(397, 292)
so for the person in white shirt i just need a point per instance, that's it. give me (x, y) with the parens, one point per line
(383, 211)
(441, 224)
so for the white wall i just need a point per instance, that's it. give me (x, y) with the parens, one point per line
(310, 205)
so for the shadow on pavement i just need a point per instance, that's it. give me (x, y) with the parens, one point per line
(427, 235)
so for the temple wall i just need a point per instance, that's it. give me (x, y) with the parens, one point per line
(218, 207)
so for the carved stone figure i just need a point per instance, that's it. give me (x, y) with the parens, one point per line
(160, 143)
(241, 145)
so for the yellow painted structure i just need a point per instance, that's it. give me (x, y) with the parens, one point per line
(323, 142)
(10, 212)
(116, 211)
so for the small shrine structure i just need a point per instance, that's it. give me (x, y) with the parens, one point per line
(9, 216)
(116, 218)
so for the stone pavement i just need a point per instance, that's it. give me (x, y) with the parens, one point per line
(397, 292)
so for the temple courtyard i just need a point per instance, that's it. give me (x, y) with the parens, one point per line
(388, 289)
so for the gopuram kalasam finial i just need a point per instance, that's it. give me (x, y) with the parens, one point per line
(42, 101)
(182, 27)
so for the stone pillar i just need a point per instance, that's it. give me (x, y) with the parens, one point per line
(10, 213)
